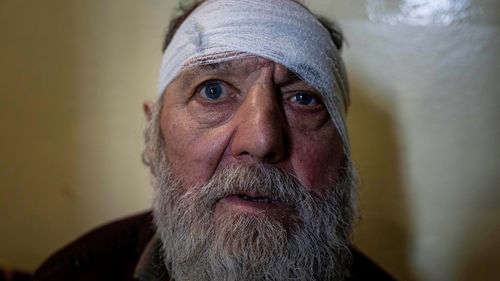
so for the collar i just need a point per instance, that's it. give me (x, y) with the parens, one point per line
(151, 266)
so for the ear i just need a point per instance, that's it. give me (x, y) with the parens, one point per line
(147, 107)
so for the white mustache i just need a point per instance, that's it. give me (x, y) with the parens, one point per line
(263, 181)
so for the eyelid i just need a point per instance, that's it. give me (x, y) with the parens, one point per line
(314, 100)
(289, 95)
(227, 90)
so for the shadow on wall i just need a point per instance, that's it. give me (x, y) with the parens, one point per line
(480, 252)
(384, 233)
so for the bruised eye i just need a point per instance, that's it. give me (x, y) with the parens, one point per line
(304, 98)
(212, 90)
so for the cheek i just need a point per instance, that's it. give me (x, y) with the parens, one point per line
(192, 153)
(316, 162)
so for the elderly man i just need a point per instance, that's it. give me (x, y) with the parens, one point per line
(249, 157)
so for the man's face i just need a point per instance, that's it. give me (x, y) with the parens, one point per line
(248, 112)
(250, 178)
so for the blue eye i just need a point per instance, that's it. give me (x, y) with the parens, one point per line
(212, 90)
(304, 99)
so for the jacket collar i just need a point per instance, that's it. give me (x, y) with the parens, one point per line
(151, 265)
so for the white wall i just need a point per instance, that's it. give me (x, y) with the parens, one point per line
(425, 132)
(423, 124)
(73, 77)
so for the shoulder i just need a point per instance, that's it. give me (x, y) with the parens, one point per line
(111, 252)
(363, 268)
(113, 246)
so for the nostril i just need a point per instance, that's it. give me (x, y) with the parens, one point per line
(271, 157)
(242, 153)
(270, 148)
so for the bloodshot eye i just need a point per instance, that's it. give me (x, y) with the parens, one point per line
(304, 98)
(212, 90)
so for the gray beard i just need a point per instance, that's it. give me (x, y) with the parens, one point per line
(239, 246)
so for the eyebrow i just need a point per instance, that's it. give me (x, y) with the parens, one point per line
(226, 67)
(204, 69)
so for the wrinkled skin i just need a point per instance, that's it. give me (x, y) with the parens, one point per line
(249, 176)
(248, 111)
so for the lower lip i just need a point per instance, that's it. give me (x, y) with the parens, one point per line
(236, 203)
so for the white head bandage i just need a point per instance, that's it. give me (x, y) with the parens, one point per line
(280, 30)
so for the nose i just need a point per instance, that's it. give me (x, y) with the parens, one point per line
(259, 132)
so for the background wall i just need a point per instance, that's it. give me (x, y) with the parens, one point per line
(423, 122)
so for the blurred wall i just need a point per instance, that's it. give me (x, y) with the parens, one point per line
(423, 124)
(73, 76)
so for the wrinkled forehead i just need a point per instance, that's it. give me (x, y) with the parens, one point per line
(282, 31)
(240, 67)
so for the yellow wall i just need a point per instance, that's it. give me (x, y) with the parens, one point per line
(423, 124)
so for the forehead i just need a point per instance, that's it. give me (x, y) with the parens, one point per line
(280, 30)
(241, 68)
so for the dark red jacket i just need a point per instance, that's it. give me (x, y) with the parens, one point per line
(111, 252)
